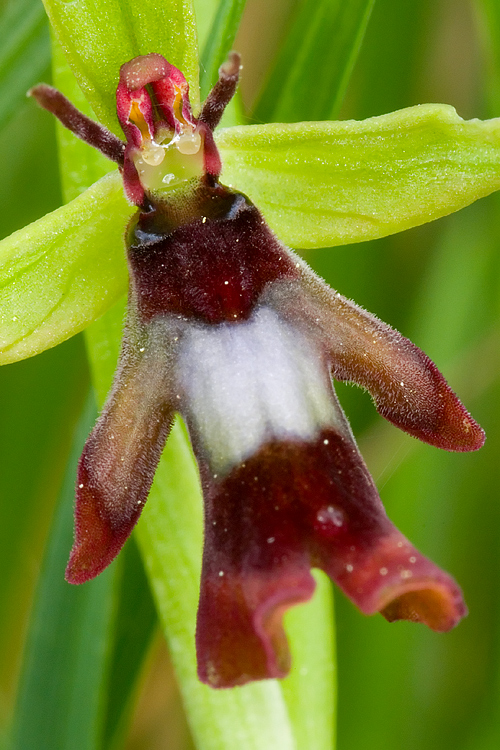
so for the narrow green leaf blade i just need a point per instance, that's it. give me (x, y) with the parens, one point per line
(99, 36)
(39, 409)
(205, 11)
(24, 53)
(62, 689)
(60, 273)
(329, 183)
(489, 17)
(312, 69)
(134, 626)
(220, 41)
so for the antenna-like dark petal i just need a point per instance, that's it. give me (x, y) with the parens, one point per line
(120, 457)
(82, 126)
(406, 385)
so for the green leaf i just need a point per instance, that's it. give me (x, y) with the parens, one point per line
(489, 18)
(39, 408)
(24, 53)
(63, 683)
(219, 41)
(134, 627)
(312, 69)
(60, 273)
(330, 183)
(98, 36)
(205, 11)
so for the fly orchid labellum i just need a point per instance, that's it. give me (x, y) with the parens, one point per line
(232, 330)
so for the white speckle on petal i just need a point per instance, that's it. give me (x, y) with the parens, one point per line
(330, 516)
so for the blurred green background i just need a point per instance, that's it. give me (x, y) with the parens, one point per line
(400, 685)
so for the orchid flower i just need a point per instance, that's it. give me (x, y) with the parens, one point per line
(231, 329)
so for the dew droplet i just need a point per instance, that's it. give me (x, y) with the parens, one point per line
(152, 154)
(189, 143)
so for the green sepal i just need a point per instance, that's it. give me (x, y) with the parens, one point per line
(317, 184)
(63, 271)
(98, 36)
(321, 184)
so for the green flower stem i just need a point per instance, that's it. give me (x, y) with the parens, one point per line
(24, 53)
(311, 636)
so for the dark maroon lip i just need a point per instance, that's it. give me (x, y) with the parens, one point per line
(212, 268)
(292, 506)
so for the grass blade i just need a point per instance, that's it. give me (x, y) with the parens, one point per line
(24, 53)
(134, 627)
(61, 692)
(39, 409)
(219, 41)
(313, 67)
